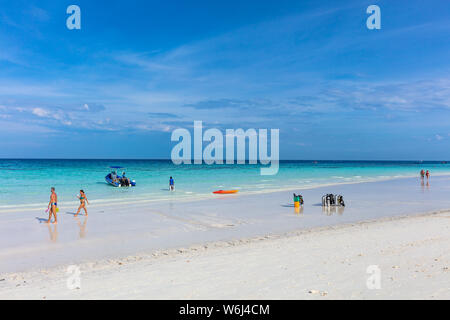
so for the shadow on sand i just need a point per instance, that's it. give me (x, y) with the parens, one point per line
(41, 220)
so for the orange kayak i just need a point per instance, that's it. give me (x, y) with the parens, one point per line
(225, 191)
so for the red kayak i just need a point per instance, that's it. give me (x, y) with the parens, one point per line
(225, 191)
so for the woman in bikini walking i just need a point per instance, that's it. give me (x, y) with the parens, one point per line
(83, 201)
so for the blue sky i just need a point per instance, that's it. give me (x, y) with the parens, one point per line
(137, 70)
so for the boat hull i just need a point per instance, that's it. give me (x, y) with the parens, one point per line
(117, 184)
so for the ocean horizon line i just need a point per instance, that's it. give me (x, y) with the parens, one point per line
(246, 161)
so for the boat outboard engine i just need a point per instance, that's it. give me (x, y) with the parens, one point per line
(340, 201)
(301, 199)
(326, 200)
(332, 200)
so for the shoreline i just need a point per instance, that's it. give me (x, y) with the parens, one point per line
(202, 196)
(50, 283)
(116, 231)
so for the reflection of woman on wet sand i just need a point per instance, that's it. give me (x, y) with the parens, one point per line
(82, 227)
(83, 201)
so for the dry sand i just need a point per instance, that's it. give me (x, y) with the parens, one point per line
(412, 254)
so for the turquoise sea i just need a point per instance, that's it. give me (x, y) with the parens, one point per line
(27, 182)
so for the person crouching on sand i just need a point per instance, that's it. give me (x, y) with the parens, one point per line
(83, 200)
(52, 206)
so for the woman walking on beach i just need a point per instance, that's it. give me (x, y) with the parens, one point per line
(428, 174)
(83, 201)
(422, 174)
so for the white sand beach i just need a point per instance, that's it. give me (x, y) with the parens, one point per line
(186, 131)
(239, 247)
(412, 254)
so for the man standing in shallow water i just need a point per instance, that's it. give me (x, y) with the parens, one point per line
(171, 184)
(52, 205)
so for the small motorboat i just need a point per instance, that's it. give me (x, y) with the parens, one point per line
(116, 180)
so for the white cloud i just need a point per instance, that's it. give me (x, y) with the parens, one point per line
(41, 112)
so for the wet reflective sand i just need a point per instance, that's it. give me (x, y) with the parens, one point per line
(113, 231)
